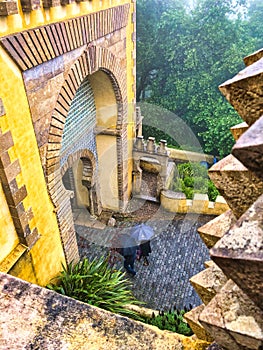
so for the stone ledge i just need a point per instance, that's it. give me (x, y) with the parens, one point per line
(84, 326)
(12, 258)
(176, 202)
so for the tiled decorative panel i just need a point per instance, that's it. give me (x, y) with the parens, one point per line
(80, 122)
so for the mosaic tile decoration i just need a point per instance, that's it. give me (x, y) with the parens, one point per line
(80, 123)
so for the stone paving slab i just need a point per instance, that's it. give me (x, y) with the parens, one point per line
(178, 253)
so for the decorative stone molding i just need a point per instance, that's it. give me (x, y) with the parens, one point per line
(2, 108)
(50, 3)
(150, 151)
(35, 46)
(92, 60)
(234, 315)
(15, 195)
(8, 8)
(30, 5)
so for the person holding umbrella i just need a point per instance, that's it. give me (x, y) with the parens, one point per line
(128, 250)
(143, 233)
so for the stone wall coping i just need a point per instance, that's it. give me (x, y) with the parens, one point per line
(177, 202)
(84, 326)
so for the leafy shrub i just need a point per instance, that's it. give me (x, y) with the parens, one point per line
(172, 321)
(189, 181)
(212, 191)
(193, 178)
(95, 283)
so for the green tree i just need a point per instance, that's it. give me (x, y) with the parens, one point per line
(190, 53)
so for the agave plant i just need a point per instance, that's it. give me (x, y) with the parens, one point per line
(95, 283)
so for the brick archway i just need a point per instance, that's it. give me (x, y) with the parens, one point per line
(91, 61)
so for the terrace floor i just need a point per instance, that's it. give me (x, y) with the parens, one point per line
(178, 253)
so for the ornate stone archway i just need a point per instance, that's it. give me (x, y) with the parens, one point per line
(92, 60)
(88, 177)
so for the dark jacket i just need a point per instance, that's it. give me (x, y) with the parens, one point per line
(128, 245)
(145, 247)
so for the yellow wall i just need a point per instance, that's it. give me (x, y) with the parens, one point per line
(23, 21)
(131, 83)
(8, 237)
(43, 261)
(82, 193)
(47, 253)
(105, 101)
(108, 171)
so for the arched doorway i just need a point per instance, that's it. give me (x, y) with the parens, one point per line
(79, 136)
(96, 71)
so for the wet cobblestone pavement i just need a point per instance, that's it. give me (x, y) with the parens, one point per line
(178, 253)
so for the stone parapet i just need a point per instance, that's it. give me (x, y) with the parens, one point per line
(238, 130)
(233, 313)
(238, 185)
(192, 318)
(239, 252)
(176, 202)
(84, 326)
(216, 228)
(233, 320)
(249, 148)
(26, 14)
(208, 282)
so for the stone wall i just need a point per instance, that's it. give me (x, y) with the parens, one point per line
(37, 318)
(176, 202)
(231, 286)
(47, 50)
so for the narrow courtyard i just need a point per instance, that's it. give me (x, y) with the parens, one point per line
(178, 253)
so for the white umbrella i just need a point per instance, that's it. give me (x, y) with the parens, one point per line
(142, 232)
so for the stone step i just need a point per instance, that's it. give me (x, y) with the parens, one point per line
(249, 148)
(192, 318)
(245, 91)
(238, 130)
(208, 282)
(239, 252)
(233, 320)
(239, 186)
(216, 228)
(146, 198)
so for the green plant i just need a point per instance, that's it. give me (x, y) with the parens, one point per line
(172, 321)
(95, 283)
(193, 178)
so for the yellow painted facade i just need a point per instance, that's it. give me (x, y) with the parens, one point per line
(21, 21)
(8, 237)
(47, 254)
(43, 260)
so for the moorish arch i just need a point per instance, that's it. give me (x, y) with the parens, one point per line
(79, 177)
(96, 72)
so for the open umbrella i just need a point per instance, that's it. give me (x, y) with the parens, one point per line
(142, 232)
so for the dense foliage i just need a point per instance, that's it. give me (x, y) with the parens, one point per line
(192, 178)
(183, 54)
(172, 321)
(95, 283)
